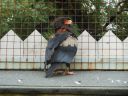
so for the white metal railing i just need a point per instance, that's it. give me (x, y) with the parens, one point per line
(107, 53)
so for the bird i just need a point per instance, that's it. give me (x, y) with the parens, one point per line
(62, 47)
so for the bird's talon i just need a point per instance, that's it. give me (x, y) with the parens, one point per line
(69, 73)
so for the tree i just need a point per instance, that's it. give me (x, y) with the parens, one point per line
(23, 15)
(95, 16)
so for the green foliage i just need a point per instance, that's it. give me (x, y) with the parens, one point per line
(99, 12)
(23, 15)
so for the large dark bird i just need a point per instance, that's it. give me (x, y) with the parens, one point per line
(62, 47)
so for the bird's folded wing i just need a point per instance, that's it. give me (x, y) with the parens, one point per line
(53, 44)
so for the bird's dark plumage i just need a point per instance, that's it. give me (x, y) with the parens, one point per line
(60, 49)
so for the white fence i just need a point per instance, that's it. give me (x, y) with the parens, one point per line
(107, 53)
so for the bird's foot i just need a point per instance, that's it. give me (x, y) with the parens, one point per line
(59, 72)
(69, 73)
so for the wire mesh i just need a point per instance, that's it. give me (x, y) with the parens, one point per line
(101, 27)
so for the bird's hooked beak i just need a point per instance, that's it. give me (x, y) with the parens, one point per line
(67, 22)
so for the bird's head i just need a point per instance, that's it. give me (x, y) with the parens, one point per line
(62, 23)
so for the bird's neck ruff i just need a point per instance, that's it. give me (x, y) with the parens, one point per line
(62, 30)
(70, 41)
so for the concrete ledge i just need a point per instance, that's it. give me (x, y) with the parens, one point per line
(67, 90)
(83, 82)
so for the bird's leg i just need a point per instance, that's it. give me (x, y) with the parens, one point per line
(67, 70)
(58, 71)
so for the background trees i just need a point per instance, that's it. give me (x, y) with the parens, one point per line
(96, 16)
